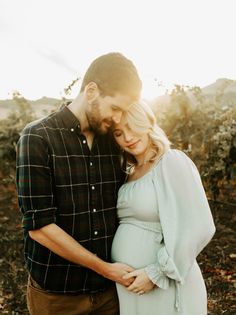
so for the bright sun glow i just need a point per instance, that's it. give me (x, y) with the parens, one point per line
(47, 44)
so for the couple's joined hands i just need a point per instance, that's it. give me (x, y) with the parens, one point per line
(140, 281)
(135, 281)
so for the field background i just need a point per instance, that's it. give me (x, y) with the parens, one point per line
(201, 122)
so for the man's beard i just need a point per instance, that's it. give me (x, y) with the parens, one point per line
(95, 121)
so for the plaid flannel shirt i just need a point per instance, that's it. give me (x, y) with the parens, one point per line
(60, 180)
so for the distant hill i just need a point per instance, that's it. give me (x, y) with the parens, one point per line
(41, 106)
(223, 89)
(226, 85)
(49, 101)
(46, 101)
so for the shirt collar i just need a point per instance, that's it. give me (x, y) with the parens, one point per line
(69, 120)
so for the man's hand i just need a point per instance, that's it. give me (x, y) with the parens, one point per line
(117, 271)
(62, 244)
(141, 284)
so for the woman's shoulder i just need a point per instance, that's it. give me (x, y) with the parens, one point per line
(174, 162)
(173, 155)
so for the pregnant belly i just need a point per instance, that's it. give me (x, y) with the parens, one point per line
(135, 246)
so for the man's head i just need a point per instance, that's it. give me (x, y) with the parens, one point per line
(114, 74)
(110, 85)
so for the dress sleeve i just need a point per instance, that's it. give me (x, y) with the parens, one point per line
(34, 181)
(185, 216)
(163, 270)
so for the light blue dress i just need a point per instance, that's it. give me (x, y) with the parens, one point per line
(165, 221)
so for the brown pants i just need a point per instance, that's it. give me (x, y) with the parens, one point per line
(40, 302)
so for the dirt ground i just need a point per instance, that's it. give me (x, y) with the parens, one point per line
(217, 261)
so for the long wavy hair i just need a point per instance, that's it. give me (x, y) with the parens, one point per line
(141, 119)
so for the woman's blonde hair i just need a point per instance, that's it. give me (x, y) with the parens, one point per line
(141, 119)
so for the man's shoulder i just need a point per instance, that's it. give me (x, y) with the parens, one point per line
(38, 126)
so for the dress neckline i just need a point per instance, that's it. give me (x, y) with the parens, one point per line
(148, 172)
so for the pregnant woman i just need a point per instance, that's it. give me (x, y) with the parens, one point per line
(164, 222)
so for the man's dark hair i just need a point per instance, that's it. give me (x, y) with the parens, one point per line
(113, 73)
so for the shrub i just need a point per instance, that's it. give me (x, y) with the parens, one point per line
(206, 131)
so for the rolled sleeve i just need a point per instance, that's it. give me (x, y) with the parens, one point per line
(34, 181)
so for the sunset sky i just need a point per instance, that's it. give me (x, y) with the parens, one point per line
(45, 44)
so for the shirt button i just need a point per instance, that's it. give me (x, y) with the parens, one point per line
(72, 129)
(95, 232)
(94, 210)
(93, 187)
(84, 141)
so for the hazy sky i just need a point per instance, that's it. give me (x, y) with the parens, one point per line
(45, 44)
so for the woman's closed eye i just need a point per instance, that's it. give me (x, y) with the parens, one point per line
(117, 134)
(116, 108)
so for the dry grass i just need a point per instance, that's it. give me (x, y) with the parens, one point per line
(217, 260)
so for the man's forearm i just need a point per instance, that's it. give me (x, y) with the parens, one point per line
(62, 244)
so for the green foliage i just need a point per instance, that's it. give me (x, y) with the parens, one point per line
(69, 88)
(11, 127)
(206, 131)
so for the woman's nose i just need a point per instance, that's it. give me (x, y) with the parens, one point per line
(117, 117)
(128, 136)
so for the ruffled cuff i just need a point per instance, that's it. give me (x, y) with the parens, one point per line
(156, 275)
(163, 270)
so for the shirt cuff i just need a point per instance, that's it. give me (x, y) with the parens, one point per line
(36, 219)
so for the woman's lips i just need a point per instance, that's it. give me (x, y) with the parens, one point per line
(132, 145)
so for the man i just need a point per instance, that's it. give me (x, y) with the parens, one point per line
(68, 175)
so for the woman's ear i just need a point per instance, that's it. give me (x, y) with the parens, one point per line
(91, 92)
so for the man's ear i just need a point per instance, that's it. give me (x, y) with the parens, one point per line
(91, 92)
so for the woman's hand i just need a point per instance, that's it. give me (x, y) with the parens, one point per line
(141, 284)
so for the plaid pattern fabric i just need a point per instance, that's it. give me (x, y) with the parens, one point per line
(59, 180)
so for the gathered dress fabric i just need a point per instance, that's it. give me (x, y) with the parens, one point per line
(164, 223)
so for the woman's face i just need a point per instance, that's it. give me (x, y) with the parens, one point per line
(131, 142)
